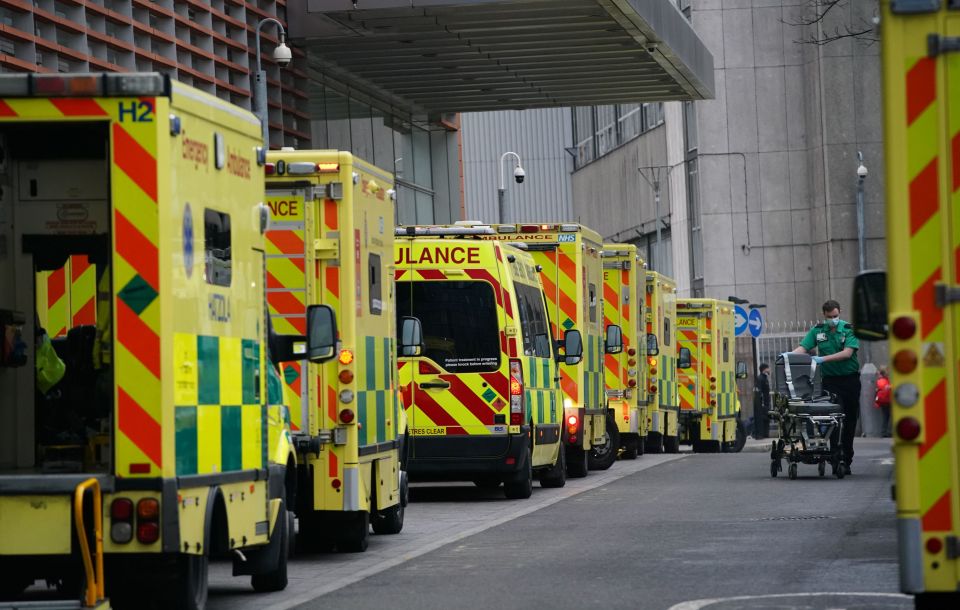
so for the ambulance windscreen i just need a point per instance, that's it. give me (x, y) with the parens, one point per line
(459, 321)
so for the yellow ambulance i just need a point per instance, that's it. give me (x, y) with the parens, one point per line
(330, 242)
(707, 374)
(664, 403)
(573, 280)
(624, 281)
(481, 389)
(144, 447)
(921, 126)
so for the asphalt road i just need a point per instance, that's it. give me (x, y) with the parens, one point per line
(663, 532)
(704, 531)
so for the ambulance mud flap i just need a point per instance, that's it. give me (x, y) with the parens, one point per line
(351, 489)
(911, 556)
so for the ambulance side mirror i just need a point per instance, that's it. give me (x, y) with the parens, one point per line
(684, 358)
(321, 333)
(287, 348)
(411, 337)
(572, 347)
(653, 348)
(870, 306)
(613, 344)
(741, 370)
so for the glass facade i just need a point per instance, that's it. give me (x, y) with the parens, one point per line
(388, 138)
(598, 130)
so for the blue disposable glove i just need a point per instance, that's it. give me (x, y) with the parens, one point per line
(818, 359)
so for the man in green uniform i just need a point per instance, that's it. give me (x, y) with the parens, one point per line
(836, 348)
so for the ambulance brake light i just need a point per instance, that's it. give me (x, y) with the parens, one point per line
(934, 546)
(346, 416)
(908, 428)
(529, 228)
(904, 328)
(516, 393)
(270, 169)
(905, 361)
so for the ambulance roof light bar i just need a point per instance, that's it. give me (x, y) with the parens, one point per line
(537, 228)
(414, 231)
(96, 84)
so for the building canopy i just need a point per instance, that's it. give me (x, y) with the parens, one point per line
(442, 56)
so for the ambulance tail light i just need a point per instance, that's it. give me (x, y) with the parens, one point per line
(516, 393)
(653, 388)
(346, 357)
(632, 383)
(270, 169)
(148, 521)
(934, 546)
(529, 228)
(121, 520)
(573, 424)
(632, 352)
(347, 416)
(904, 328)
(908, 428)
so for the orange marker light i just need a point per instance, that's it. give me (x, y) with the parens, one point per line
(346, 356)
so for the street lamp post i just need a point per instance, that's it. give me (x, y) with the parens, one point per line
(283, 56)
(861, 177)
(518, 174)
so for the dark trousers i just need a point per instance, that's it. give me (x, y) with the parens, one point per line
(847, 389)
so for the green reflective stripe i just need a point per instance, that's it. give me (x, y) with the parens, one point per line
(208, 370)
(371, 361)
(250, 354)
(381, 416)
(231, 454)
(185, 426)
(362, 418)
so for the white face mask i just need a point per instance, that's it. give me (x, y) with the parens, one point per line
(833, 321)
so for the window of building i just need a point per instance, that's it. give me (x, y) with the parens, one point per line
(696, 226)
(599, 130)
(217, 254)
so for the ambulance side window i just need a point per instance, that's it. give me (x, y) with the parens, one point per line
(666, 331)
(376, 285)
(593, 302)
(216, 240)
(533, 321)
(726, 349)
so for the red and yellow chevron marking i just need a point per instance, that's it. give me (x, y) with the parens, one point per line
(66, 297)
(83, 291)
(926, 227)
(559, 278)
(689, 339)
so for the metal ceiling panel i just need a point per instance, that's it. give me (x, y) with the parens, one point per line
(440, 56)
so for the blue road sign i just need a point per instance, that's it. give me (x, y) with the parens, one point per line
(755, 322)
(739, 320)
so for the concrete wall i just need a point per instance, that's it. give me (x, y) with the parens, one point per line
(778, 155)
(539, 137)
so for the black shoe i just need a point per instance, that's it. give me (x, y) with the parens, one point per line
(849, 472)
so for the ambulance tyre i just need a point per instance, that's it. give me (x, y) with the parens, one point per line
(576, 460)
(276, 579)
(388, 521)
(671, 444)
(741, 438)
(641, 444)
(520, 485)
(556, 475)
(354, 534)
(654, 442)
(190, 587)
(603, 457)
(631, 447)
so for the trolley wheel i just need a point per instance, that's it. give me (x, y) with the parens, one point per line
(774, 468)
(822, 467)
(793, 470)
(841, 470)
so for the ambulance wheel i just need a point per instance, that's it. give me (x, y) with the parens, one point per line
(654, 443)
(603, 457)
(520, 485)
(315, 536)
(793, 470)
(740, 440)
(822, 468)
(388, 521)
(641, 445)
(276, 579)
(190, 587)
(576, 459)
(671, 444)
(556, 475)
(631, 447)
(774, 468)
(354, 535)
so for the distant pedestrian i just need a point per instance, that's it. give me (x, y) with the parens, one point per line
(882, 400)
(761, 403)
(836, 348)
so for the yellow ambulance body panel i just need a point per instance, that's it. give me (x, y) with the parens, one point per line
(664, 403)
(483, 400)
(330, 242)
(165, 404)
(706, 379)
(624, 281)
(921, 74)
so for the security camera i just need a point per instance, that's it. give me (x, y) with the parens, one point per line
(862, 170)
(282, 55)
(519, 175)
(651, 47)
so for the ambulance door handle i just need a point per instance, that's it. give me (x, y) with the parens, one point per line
(435, 385)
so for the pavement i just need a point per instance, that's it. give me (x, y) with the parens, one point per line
(683, 532)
